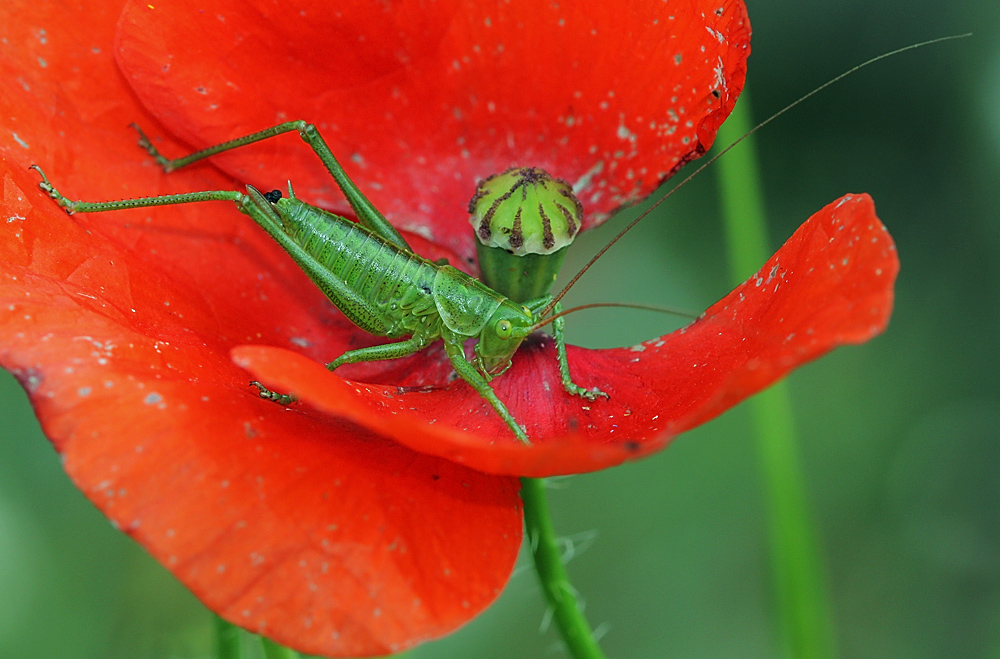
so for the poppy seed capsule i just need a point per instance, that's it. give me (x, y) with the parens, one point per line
(524, 218)
(525, 210)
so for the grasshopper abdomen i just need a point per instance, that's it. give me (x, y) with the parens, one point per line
(392, 283)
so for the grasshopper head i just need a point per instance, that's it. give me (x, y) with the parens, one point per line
(501, 337)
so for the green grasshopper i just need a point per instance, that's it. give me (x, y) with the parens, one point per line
(373, 276)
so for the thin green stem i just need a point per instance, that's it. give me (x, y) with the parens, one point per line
(274, 651)
(797, 570)
(228, 644)
(559, 593)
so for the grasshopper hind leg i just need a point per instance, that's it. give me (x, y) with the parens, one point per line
(146, 144)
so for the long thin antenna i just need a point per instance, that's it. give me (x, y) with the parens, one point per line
(626, 305)
(753, 130)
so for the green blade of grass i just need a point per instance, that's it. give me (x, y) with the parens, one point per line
(274, 651)
(798, 575)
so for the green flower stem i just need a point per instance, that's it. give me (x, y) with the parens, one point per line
(228, 644)
(561, 596)
(798, 572)
(274, 651)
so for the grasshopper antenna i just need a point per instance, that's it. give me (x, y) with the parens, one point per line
(594, 305)
(753, 130)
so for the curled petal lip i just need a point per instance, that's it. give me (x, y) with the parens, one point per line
(369, 406)
(829, 285)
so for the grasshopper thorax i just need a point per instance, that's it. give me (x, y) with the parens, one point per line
(523, 219)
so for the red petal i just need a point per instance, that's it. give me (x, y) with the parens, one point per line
(830, 284)
(419, 101)
(315, 531)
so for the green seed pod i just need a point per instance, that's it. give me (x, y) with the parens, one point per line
(524, 218)
(525, 210)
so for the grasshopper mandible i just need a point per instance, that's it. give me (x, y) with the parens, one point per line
(370, 273)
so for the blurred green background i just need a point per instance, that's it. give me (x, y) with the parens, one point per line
(900, 438)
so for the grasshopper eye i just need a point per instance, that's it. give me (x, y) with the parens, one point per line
(273, 196)
(503, 328)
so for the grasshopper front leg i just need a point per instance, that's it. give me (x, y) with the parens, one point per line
(456, 354)
(558, 333)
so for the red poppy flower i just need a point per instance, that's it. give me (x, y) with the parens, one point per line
(383, 511)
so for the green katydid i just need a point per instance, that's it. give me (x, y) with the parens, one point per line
(421, 299)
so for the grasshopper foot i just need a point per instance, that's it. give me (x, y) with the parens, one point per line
(273, 396)
(49, 189)
(146, 144)
(590, 394)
